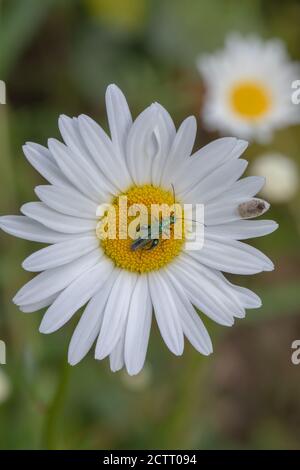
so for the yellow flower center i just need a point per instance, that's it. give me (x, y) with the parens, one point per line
(149, 257)
(250, 99)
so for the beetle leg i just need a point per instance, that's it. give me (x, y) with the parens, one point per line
(153, 244)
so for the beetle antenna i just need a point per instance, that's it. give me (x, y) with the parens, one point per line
(173, 191)
(191, 220)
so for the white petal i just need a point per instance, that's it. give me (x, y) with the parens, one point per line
(100, 146)
(245, 297)
(29, 308)
(89, 325)
(242, 229)
(60, 253)
(116, 357)
(217, 152)
(231, 256)
(41, 159)
(139, 149)
(180, 151)
(41, 151)
(138, 326)
(86, 178)
(244, 188)
(222, 212)
(70, 132)
(216, 284)
(206, 160)
(192, 324)
(56, 221)
(194, 329)
(24, 227)
(67, 200)
(204, 294)
(238, 150)
(53, 280)
(115, 314)
(165, 133)
(77, 294)
(166, 311)
(119, 118)
(216, 183)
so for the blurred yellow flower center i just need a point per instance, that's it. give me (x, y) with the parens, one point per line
(250, 99)
(149, 257)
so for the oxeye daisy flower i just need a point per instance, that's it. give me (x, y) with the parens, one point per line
(121, 287)
(249, 87)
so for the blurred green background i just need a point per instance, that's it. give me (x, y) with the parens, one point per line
(57, 56)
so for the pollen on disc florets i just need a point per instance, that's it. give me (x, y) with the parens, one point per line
(119, 248)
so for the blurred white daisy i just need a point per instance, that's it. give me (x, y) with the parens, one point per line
(121, 287)
(248, 88)
(282, 178)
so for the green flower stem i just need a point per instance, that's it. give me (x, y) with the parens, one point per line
(54, 410)
(173, 431)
